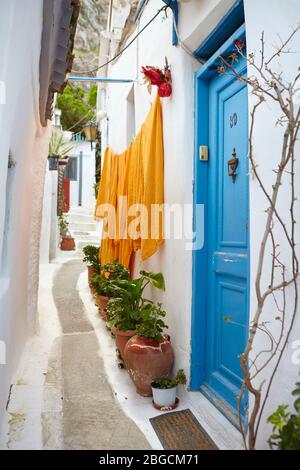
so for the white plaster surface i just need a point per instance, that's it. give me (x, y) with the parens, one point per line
(88, 175)
(21, 186)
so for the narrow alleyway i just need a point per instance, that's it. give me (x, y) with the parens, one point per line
(91, 417)
(69, 401)
(69, 392)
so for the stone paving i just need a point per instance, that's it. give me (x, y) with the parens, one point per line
(91, 418)
(62, 398)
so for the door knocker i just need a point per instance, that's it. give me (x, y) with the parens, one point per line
(232, 166)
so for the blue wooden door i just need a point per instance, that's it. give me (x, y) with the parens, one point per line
(227, 237)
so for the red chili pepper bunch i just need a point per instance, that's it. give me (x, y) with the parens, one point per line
(161, 78)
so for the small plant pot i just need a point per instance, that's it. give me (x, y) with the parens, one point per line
(53, 163)
(164, 396)
(102, 314)
(91, 271)
(102, 302)
(166, 408)
(121, 338)
(67, 244)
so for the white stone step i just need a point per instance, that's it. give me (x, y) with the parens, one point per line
(82, 243)
(84, 218)
(83, 226)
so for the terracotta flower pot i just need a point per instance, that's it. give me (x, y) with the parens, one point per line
(102, 301)
(102, 313)
(121, 338)
(91, 271)
(67, 244)
(146, 359)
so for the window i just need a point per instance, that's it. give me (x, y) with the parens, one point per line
(71, 170)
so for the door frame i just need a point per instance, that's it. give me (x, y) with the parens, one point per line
(199, 269)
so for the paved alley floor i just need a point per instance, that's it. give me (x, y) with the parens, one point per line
(61, 398)
(91, 418)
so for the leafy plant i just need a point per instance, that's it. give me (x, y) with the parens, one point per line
(92, 96)
(75, 112)
(109, 272)
(114, 271)
(63, 225)
(167, 382)
(126, 308)
(91, 257)
(286, 425)
(57, 145)
(151, 324)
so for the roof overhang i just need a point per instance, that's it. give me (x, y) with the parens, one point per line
(59, 28)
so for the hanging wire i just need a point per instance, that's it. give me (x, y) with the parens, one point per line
(80, 97)
(183, 45)
(126, 47)
(78, 122)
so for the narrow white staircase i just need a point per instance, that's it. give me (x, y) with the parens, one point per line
(84, 228)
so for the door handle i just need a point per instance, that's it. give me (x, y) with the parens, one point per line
(232, 165)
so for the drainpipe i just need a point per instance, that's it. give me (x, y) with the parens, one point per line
(105, 45)
(109, 18)
(80, 178)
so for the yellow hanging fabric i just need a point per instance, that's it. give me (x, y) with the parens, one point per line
(124, 243)
(153, 169)
(138, 174)
(105, 206)
(135, 187)
(107, 193)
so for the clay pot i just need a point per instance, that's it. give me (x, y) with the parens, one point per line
(146, 359)
(121, 338)
(102, 314)
(91, 271)
(67, 244)
(102, 301)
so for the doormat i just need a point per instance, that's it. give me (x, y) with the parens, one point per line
(180, 430)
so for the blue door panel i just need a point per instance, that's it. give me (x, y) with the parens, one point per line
(234, 138)
(227, 238)
(232, 303)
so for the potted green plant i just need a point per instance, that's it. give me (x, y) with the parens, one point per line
(149, 354)
(127, 305)
(164, 390)
(91, 258)
(101, 283)
(67, 241)
(286, 425)
(58, 149)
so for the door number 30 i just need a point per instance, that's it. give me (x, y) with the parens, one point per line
(233, 120)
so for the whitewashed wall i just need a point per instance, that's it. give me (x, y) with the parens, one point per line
(151, 49)
(273, 17)
(88, 176)
(197, 19)
(20, 212)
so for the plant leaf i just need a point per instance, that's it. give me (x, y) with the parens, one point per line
(157, 280)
